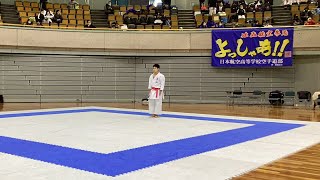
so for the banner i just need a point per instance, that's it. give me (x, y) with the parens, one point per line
(260, 47)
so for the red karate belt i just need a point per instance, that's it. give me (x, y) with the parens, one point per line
(157, 91)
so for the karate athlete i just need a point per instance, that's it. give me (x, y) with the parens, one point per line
(156, 86)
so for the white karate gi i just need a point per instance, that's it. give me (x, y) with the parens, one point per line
(156, 94)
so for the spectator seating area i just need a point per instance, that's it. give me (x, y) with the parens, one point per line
(71, 17)
(301, 12)
(141, 17)
(227, 15)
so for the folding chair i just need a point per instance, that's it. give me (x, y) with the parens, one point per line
(290, 96)
(304, 97)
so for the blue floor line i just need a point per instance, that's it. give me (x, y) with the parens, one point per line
(117, 163)
(134, 159)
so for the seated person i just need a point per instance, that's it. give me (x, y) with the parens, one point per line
(268, 1)
(267, 7)
(29, 22)
(251, 7)
(89, 25)
(48, 17)
(58, 17)
(296, 20)
(267, 24)
(150, 20)
(210, 23)
(220, 8)
(127, 20)
(203, 25)
(219, 25)
(203, 8)
(158, 21)
(258, 5)
(310, 22)
(241, 13)
(234, 6)
(39, 18)
(305, 14)
(166, 21)
(256, 24)
(124, 26)
(142, 20)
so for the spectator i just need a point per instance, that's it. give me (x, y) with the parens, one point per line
(212, 11)
(296, 20)
(210, 23)
(39, 18)
(318, 8)
(142, 20)
(212, 3)
(251, 7)
(115, 25)
(304, 1)
(267, 24)
(43, 12)
(219, 25)
(124, 26)
(108, 8)
(156, 3)
(29, 22)
(58, 18)
(43, 4)
(295, 1)
(305, 14)
(203, 25)
(158, 20)
(201, 2)
(72, 4)
(287, 2)
(234, 6)
(167, 2)
(204, 7)
(48, 17)
(267, 7)
(258, 5)
(165, 21)
(310, 21)
(269, 2)
(256, 24)
(150, 20)
(220, 8)
(131, 11)
(241, 13)
(89, 25)
(127, 20)
(244, 3)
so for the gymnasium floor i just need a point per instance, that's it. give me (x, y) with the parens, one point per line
(120, 141)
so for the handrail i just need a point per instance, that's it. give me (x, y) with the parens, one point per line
(301, 27)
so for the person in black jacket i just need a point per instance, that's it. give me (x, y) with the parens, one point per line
(43, 4)
(58, 18)
(39, 18)
(89, 25)
(212, 3)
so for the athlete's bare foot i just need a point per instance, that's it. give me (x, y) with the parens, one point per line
(156, 116)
